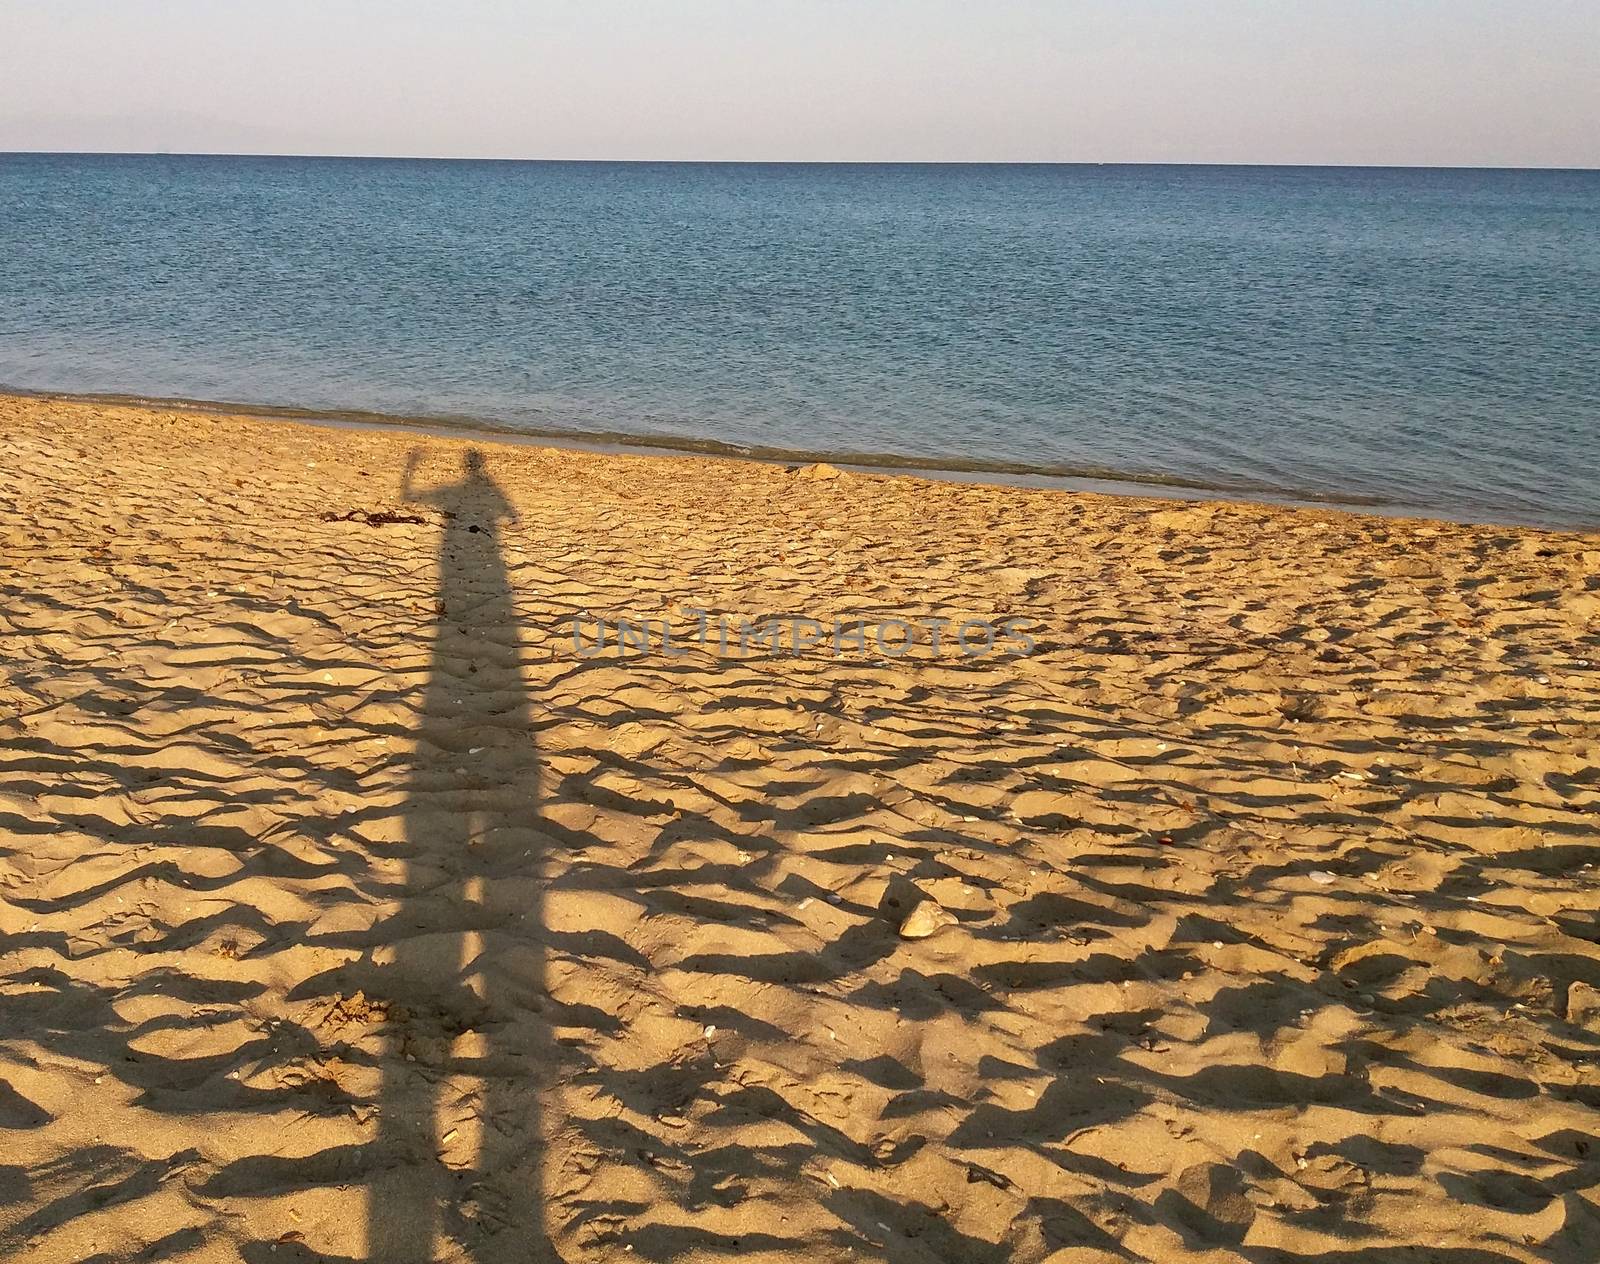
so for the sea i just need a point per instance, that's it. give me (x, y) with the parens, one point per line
(1406, 341)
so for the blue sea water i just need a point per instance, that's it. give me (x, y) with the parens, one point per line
(1414, 340)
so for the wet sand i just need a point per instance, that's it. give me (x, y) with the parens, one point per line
(349, 911)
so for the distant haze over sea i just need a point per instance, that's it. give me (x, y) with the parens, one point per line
(1416, 340)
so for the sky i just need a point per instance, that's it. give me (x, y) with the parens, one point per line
(1402, 82)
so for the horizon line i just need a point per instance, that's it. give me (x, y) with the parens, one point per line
(793, 162)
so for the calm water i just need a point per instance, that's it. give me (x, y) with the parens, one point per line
(1421, 340)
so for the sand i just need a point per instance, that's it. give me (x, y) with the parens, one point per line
(350, 913)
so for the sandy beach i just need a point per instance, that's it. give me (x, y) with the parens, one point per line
(352, 909)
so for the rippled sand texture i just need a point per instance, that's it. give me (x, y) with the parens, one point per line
(349, 914)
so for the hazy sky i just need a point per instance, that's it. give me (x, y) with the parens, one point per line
(1490, 82)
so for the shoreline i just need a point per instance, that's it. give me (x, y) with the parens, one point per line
(979, 473)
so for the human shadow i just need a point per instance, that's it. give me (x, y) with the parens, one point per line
(459, 1120)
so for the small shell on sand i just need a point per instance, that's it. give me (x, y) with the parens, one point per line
(925, 919)
(821, 471)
